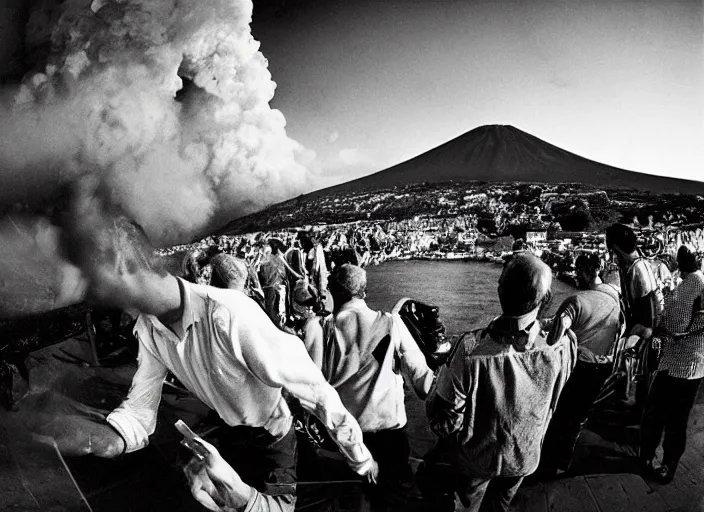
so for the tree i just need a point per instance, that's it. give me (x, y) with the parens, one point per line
(579, 219)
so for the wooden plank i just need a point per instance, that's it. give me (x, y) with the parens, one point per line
(46, 477)
(570, 495)
(682, 493)
(625, 492)
(693, 458)
(15, 496)
(531, 498)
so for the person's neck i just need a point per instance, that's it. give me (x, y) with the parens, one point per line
(162, 298)
(629, 258)
(353, 302)
(595, 282)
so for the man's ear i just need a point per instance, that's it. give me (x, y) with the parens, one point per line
(545, 303)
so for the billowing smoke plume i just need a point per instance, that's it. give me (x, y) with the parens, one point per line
(106, 104)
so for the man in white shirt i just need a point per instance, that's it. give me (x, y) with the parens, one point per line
(364, 353)
(224, 350)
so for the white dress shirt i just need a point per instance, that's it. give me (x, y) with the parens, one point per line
(226, 351)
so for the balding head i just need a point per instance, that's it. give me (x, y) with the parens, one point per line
(228, 272)
(348, 282)
(524, 284)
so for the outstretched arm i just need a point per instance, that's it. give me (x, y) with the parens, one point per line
(446, 404)
(280, 359)
(135, 418)
(413, 363)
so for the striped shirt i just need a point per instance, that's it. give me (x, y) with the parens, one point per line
(683, 354)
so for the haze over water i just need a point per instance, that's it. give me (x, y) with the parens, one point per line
(465, 291)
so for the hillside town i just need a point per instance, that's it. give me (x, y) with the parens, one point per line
(465, 221)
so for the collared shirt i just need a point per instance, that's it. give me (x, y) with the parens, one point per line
(683, 354)
(363, 354)
(498, 393)
(228, 353)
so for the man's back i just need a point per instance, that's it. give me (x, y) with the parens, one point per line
(503, 399)
(638, 285)
(273, 272)
(595, 315)
(362, 354)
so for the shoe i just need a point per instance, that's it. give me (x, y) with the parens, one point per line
(648, 469)
(664, 474)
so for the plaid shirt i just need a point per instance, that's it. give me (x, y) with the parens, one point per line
(683, 354)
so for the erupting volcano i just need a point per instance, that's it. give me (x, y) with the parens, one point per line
(162, 106)
(167, 102)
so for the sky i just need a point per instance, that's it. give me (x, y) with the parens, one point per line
(367, 84)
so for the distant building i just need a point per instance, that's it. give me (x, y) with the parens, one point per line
(536, 236)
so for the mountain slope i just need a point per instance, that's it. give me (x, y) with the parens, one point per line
(504, 153)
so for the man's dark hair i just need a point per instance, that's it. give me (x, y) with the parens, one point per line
(688, 260)
(588, 262)
(524, 283)
(621, 236)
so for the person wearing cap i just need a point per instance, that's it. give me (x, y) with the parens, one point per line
(594, 315)
(364, 355)
(495, 397)
(222, 347)
(680, 372)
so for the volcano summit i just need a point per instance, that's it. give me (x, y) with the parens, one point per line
(501, 153)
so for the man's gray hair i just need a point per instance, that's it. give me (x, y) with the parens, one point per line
(524, 283)
(228, 272)
(350, 279)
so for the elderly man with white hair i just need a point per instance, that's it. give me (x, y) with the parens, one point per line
(494, 399)
(364, 353)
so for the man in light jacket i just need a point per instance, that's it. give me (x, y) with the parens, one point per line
(493, 401)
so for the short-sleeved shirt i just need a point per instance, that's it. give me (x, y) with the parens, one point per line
(638, 282)
(683, 354)
(595, 318)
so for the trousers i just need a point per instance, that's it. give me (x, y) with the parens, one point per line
(572, 410)
(440, 477)
(667, 412)
(262, 461)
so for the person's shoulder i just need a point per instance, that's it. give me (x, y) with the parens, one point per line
(480, 343)
(641, 267)
(226, 298)
(315, 323)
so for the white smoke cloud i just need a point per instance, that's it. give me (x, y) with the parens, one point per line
(106, 105)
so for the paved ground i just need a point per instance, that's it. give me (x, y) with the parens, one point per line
(34, 477)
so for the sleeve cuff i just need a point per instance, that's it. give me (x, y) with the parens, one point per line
(134, 435)
(363, 467)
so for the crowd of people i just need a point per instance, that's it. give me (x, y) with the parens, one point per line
(263, 335)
